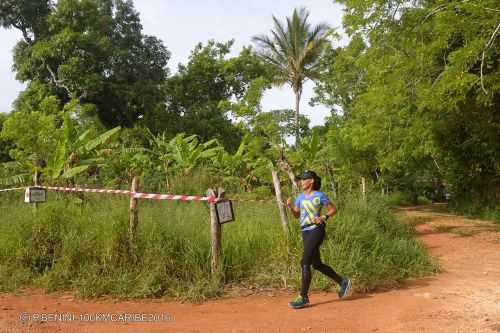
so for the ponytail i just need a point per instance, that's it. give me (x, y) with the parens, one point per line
(317, 183)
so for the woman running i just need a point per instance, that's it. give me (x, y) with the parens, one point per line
(307, 207)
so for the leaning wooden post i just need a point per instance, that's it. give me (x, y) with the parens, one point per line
(36, 181)
(285, 166)
(215, 233)
(333, 189)
(133, 211)
(363, 188)
(279, 199)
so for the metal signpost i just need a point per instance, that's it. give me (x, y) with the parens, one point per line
(35, 194)
(224, 210)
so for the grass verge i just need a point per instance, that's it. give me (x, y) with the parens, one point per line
(68, 246)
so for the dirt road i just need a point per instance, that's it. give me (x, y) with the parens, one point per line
(465, 297)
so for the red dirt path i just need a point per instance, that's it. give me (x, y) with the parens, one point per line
(464, 297)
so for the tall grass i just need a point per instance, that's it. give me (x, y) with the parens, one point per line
(476, 209)
(67, 246)
(400, 198)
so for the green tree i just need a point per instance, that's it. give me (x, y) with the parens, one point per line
(5, 144)
(33, 136)
(93, 51)
(294, 50)
(278, 125)
(40, 97)
(200, 94)
(418, 87)
(29, 16)
(342, 76)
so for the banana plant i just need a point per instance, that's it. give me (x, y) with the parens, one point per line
(77, 152)
(188, 153)
(162, 151)
(125, 163)
(246, 165)
(234, 166)
(184, 153)
(181, 154)
(17, 172)
(310, 147)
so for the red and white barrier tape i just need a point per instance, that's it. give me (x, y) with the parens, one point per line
(249, 200)
(155, 196)
(78, 189)
(11, 189)
(136, 195)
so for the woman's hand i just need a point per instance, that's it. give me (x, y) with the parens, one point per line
(319, 219)
(295, 211)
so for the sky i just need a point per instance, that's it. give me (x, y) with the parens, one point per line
(183, 24)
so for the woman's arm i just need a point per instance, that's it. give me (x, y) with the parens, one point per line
(295, 210)
(331, 210)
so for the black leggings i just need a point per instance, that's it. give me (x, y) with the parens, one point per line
(312, 241)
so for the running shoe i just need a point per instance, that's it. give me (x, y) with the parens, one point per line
(299, 302)
(344, 287)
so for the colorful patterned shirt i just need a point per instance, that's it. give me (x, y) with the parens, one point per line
(310, 207)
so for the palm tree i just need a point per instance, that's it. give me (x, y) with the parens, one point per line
(294, 49)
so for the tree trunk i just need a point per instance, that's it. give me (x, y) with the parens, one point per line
(287, 168)
(333, 188)
(36, 180)
(167, 181)
(414, 196)
(279, 199)
(363, 188)
(298, 93)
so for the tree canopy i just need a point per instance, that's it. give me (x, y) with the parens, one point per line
(414, 98)
(418, 87)
(93, 51)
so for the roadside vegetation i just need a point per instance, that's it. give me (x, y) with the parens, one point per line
(415, 119)
(67, 246)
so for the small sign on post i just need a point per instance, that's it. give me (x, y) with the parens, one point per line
(224, 210)
(35, 194)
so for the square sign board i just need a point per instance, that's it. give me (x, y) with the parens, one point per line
(224, 211)
(35, 194)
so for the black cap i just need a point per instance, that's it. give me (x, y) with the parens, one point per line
(307, 174)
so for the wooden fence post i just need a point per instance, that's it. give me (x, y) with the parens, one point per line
(363, 188)
(215, 233)
(133, 211)
(36, 181)
(279, 199)
(333, 189)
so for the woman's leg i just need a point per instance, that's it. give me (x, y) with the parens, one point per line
(312, 240)
(318, 265)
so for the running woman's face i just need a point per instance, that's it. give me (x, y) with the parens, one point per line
(307, 183)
